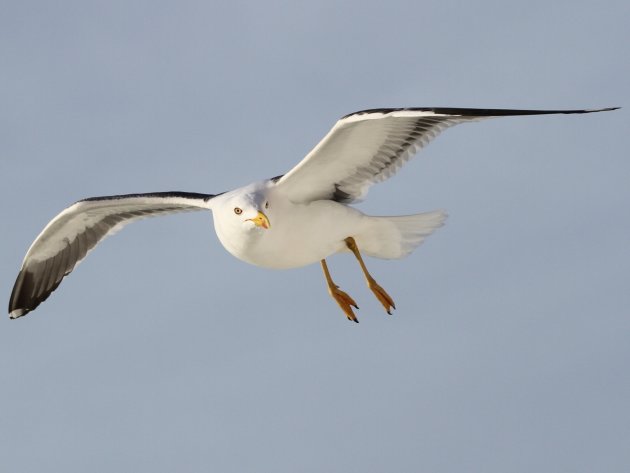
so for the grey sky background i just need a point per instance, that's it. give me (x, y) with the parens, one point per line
(509, 349)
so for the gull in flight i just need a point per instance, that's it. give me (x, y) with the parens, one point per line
(293, 220)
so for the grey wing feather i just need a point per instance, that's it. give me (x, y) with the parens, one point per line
(70, 236)
(369, 146)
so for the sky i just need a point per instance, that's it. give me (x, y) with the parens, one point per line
(161, 352)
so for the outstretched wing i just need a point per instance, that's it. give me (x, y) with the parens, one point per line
(367, 147)
(69, 237)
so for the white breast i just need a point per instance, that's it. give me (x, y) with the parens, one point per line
(299, 235)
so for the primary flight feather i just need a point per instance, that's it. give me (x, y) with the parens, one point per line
(285, 222)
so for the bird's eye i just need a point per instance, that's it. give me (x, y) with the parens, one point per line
(238, 210)
(266, 205)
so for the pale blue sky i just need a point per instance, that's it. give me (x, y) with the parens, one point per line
(509, 349)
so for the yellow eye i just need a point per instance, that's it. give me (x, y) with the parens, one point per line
(266, 205)
(238, 210)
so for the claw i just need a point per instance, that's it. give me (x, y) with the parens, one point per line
(381, 294)
(344, 301)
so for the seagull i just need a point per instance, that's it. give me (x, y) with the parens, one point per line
(288, 221)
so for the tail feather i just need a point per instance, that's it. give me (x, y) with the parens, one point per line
(396, 237)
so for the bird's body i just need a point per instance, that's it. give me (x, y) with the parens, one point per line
(294, 220)
(300, 222)
(268, 248)
(308, 232)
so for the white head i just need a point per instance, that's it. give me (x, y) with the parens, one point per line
(241, 216)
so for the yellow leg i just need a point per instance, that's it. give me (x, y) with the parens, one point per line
(379, 292)
(341, 298)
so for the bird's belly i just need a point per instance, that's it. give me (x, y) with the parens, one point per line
(306, 236)
(288, 251)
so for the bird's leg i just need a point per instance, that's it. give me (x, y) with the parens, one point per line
(378, 291)
(341, 298)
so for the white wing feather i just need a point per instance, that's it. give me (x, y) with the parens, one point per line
(367, 147)
(72, 234)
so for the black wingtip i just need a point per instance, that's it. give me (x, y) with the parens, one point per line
(478, 112)
(594, 110)
(16, 302)
(26, 295)
(21, 302)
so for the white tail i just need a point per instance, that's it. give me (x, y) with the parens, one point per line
(396, 237)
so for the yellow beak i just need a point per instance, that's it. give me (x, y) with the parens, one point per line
(260, 220)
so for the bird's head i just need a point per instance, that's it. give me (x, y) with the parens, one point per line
(243, 212)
